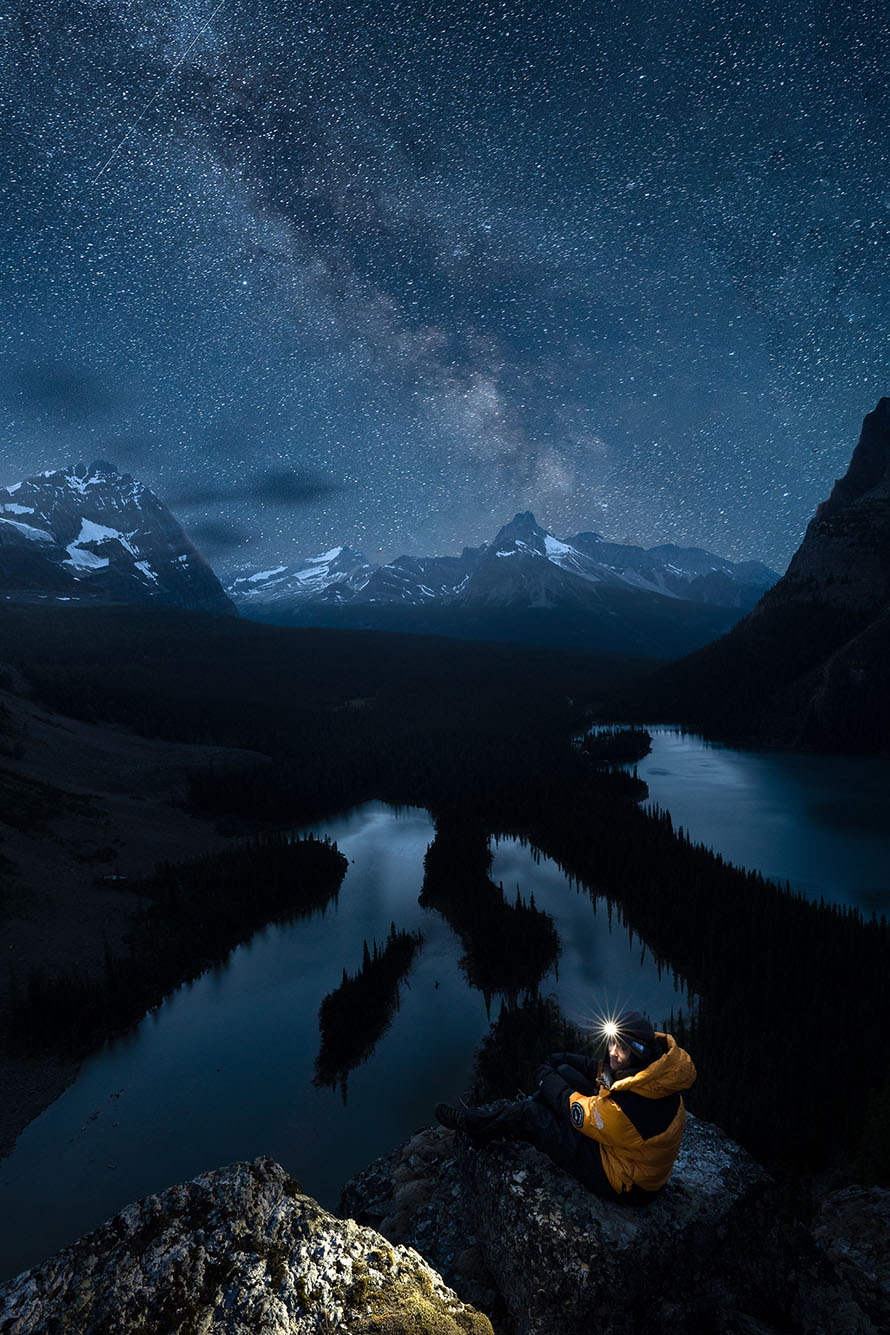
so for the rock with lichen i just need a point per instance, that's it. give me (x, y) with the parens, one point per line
(521, 1239)
(238, 1251)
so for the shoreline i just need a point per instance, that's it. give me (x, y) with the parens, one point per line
(34, 1084)
(119, 813)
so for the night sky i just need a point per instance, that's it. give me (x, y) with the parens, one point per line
(386, 274)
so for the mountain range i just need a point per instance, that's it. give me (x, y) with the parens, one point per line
(92, 534)
(808, 666)
(524, 565)
(525, 585)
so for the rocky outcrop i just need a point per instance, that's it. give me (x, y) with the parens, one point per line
(519, 1238)
(240, 1251)
(853, 1229)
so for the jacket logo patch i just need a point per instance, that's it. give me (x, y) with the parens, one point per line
(577, 1115)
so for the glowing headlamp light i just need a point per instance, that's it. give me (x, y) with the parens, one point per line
(610, 1030)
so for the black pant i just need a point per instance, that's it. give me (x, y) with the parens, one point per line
(534, 1121)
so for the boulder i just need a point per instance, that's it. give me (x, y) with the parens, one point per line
(240, 1250)
(521, 1239)
(853, 1228)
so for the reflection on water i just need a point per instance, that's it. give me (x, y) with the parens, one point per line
(820, 822)
(223, 1070)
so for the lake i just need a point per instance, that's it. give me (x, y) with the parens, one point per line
(222, 1070)
(820, 822)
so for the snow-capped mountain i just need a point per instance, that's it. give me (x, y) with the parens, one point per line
(296, 584)
(92, 534)
(524, 566)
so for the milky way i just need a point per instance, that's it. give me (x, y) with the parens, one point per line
(387, 274)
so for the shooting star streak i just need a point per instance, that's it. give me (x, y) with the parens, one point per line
(154, 99)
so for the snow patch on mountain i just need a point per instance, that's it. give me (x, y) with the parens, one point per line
(28, 530)
(556, 550)
(316, 575)
(83, 559)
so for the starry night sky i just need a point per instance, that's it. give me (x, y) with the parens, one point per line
(385, 274)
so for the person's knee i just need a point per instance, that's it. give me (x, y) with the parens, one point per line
(577, 1081)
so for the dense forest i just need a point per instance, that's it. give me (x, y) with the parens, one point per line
(481, 735)
(509, 946)
(617, 746)
(195, 913)
(353, 1018)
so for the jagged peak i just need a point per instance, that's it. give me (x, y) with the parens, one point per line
(79, 476)
(522, 519)
(869, 466)
(522, 528)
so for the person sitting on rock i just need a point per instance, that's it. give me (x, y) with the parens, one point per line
(615, 1125)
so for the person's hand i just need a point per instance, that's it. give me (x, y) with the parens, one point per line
(541, 1074)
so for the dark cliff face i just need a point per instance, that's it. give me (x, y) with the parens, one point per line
(869, 470)
(845, 555)
(808, 666)
(92, 534)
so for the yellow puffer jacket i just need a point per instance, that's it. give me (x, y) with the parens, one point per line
(639, 1121)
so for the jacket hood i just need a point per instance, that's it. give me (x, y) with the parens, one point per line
(668, 1074)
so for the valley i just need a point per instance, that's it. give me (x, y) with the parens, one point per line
(480, 735)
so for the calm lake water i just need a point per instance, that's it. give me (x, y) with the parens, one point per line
(223, 1070)
(820, 822)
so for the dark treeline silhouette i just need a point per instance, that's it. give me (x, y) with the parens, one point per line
(509, 946)
(355, 1016)
(617, 746)
(521, 1038)
(480, 735)
(196, 913)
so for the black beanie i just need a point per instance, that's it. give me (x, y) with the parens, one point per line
(636, 1031)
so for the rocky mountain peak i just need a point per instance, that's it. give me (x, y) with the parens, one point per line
(869, 469)
(91, 533)
(524, 568)
(100, 467)
(808, 667)
(845, 555)
(522, 531)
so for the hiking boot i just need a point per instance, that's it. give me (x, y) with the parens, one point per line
(477, 1123)
(455, 1119)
